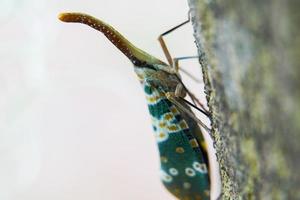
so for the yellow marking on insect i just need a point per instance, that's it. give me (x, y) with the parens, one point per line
(162, 135)
(151, 99)
(173, 128)
(203, 145)
(140, 77)
(168, 116)
(179, 150)
(206, 192)
(183, 124)
(194, 143)
(164, 159)
(174, 110)
(162, 124)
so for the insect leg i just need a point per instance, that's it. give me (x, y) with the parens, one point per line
(177, 68)
(195, 100)
(171, 97)
(163, 44)
(192, 96)
(199, 109)
(174, 63)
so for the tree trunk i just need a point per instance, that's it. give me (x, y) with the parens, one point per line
(250, 55)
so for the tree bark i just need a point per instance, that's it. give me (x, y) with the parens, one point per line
(250, 55)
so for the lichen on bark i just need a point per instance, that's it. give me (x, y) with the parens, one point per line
(250, 55)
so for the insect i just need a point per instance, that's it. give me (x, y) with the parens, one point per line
(183, 155)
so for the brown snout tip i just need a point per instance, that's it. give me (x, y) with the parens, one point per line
(66, 17)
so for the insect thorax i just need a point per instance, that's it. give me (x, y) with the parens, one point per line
(157, 76)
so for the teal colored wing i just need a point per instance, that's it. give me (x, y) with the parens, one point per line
(183, 163)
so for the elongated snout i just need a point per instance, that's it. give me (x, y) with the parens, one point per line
(135, 55)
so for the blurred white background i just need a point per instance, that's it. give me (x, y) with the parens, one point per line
(73, 119)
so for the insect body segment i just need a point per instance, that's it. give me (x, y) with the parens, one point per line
(183, 157)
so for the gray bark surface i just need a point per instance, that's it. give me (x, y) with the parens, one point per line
(250, 57)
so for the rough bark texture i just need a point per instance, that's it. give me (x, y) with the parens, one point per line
(250, 56)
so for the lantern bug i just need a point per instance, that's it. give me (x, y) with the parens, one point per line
(183, 155)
